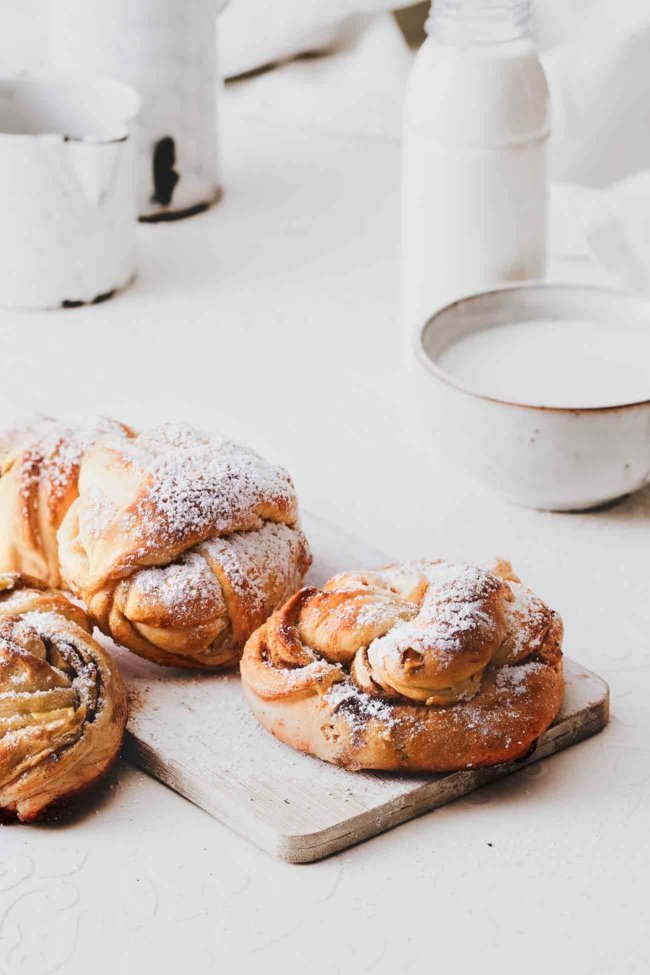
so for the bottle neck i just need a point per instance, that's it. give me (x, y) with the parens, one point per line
(478, 21)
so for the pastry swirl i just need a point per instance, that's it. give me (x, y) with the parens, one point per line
(430, 666)
(181, 544)
(62, 700)
(39, 472)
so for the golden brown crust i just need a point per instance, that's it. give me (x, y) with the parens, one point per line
(423, 667)
(181, 545)
(39, 471)
(62, 701)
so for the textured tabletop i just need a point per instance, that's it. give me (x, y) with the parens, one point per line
(273, 318)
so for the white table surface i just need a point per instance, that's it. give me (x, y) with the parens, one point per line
(273, 318)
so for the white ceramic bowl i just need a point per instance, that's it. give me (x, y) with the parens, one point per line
(543, 457)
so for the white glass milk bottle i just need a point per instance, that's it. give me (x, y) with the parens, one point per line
(476, 123)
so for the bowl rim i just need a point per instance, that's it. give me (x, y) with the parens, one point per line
(431, 366)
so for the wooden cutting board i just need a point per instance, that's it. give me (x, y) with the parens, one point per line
(195, 734)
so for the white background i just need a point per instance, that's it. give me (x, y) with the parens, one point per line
(273, 318)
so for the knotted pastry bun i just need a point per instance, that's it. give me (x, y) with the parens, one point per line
(39, 471)
(62, 700)
(430, 666)
(181, 544)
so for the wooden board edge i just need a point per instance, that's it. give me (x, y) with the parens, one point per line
(172, 775)
(308, 848)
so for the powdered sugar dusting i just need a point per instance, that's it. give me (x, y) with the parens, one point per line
(47, 624)
(527, 620)
(511, 685)
(514, 679)
(381, 612)
(261, 567)
(73, 667)
(97, 513)
(357, 707)
(315, 670)
(186, 589)
(260, 564)
(50, 450)
(196, 485)
(453, 610)
(22, 629)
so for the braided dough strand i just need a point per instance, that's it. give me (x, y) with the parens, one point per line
(430, 666)
(39, 471)
(62, 700)
(182, 544)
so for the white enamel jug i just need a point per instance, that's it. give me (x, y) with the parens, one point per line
(167, 50)
(67, 190)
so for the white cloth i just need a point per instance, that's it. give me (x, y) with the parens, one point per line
(256, 33)
(596, 60)
(355, 91)
(596, 56)
(600, 84)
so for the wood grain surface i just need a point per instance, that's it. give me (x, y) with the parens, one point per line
(195, 734)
